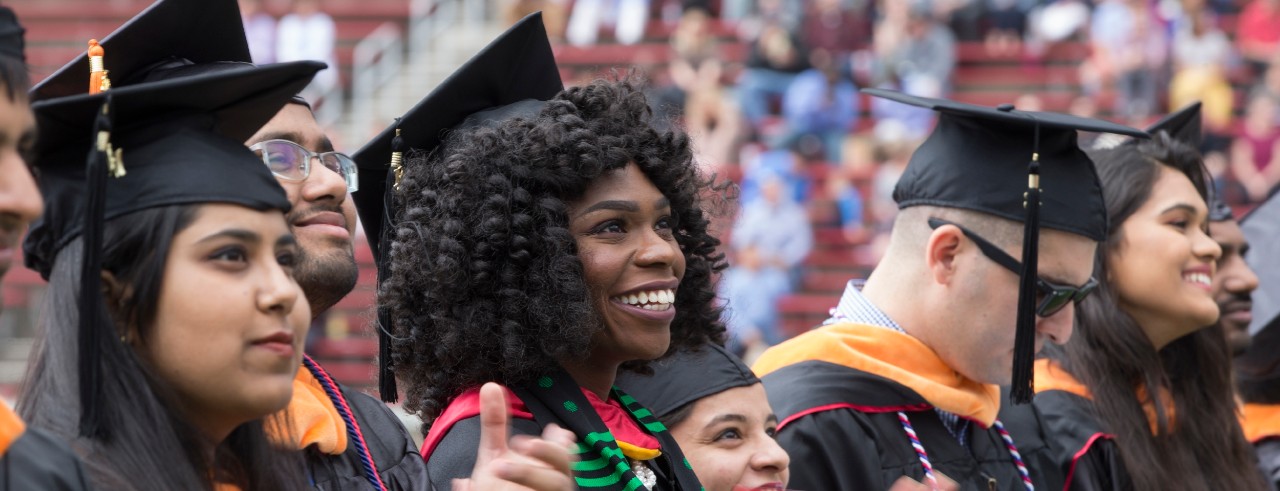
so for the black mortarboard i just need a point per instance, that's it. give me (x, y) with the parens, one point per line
(202, 31)
(172, 142)
(685, 377)
(1020, 165)
(515, 67)
(1261, 227)
(12, 43)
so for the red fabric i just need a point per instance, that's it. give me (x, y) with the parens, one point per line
(1083, 450)
(1257, 25)
(855, 407)
(1263, 146)
(620, 423)
(466, 406)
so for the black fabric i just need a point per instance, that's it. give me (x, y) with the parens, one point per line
(398, 461)
(455, 456)
(1070, 425)
(203, 31)
(685, 377)
(1268, 451)
(12, 43)
(857, 441)
(977, 159)
(41, 461)
(1261, 227)
(181, 142)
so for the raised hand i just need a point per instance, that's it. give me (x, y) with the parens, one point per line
(522, 464)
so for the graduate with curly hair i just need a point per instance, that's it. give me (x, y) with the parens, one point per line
(548, 240)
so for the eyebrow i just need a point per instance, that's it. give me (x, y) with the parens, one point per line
(728, 417)
(325, 145)
(1188, 207)
(623, 205)
(234, 233)
(287, 240)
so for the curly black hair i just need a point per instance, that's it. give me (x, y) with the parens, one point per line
(484, 282)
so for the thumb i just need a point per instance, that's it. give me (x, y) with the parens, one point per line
(493, 423)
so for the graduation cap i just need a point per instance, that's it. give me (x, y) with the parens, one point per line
(174, 142)
(994, 161)
(671, 387)
(201, 31)
(517, 66)
(12, 43)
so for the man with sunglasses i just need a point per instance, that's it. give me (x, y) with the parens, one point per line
(903, 381)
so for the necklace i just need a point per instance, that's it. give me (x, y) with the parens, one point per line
(642, 471)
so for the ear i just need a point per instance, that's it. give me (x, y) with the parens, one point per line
(116, 294)
(941, 251)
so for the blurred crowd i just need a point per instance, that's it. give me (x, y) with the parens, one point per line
(768, 90)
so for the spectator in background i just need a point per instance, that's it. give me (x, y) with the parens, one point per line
(1007, 21)
(628, 18)
(835, 27)
(1256, 150)
(819, 107)
(1258, 33)
(710, 116)
(1054, 22)
(1202, 57)
(769, 240)
(914, 54)
(775, 56)
(307, 33)
(1269, 86)
(1129, 52)
(259, 30)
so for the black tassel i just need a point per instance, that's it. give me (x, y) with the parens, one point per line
(93, 326)
(1024, 341)
(387, 389)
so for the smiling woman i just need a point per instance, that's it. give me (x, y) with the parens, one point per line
(1140, 397)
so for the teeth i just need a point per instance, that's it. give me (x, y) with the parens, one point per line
(1200, 278)
(650, 300)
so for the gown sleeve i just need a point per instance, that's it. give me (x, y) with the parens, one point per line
(832, 450)
(38, 460)
(455, 456)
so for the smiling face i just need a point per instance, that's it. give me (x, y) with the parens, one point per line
(729, 439)
(1163, 267)
(632, 265)
(230, 321)
(323, 216)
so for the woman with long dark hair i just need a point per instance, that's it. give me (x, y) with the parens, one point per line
(172, 326)
(1140, 397)
(547, 242)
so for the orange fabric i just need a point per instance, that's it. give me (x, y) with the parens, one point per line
(313, 418)
(893, 355)
(222, 486)
(1051, 376)
(11, 427)
(1260, 421)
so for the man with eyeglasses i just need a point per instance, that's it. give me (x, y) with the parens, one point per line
(902, 383)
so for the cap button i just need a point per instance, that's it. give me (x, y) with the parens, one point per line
(1006, 107)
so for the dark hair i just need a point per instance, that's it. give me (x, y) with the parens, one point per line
(151, 445)
(484, 281)
(1258, 368)
(1199, 445)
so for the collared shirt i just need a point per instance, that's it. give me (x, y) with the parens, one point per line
(856, 308)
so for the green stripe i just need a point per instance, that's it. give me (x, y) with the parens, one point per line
(590, 465)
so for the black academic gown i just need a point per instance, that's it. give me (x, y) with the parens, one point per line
(1085, 455)
(39, 461)
(841, 428)
(392, 449)
(1268, 451)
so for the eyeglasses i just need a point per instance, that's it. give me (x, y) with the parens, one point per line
(291, 162)
(1053, 297)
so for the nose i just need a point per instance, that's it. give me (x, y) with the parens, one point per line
(1238, 277)
(324, 184)
(1205, 248)
(655, 250)
(279, 294)
(18, 192)
(770, 458)
(1058, 327)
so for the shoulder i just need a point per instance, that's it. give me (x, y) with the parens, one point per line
(39, 460)
(392, 449)
(810, 387)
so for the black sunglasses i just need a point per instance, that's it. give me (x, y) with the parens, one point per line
(1053, 297)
